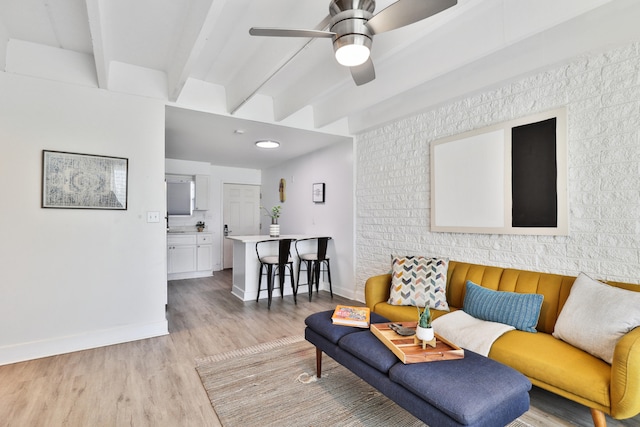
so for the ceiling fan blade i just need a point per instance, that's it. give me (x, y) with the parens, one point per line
(364, 73)
(405, 12)
(285, 32)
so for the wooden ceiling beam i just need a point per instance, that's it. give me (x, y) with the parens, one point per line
(94, 12)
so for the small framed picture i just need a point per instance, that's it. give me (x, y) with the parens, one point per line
(318, 192)
(83, 181)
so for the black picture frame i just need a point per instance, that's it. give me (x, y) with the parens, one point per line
(84, 181)
(318, 192)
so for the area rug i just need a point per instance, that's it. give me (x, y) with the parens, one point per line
(274, 384)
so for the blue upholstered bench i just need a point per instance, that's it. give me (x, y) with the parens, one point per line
(474, 391)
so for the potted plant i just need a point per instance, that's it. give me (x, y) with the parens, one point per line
(274, 214)
(200, 225)
(424, 330)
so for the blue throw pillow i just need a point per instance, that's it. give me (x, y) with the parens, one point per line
(511, 308)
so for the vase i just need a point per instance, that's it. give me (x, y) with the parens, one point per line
(424, 334)
(274, 228)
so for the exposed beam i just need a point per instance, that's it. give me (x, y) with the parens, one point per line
(244, 99)
(243, 92)
(94, 12)
(191, 43)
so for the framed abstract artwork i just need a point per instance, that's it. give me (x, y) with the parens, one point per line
(318, 192)
(84, 181)
(509, 178)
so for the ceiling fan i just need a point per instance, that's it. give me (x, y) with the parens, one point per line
(352, 26)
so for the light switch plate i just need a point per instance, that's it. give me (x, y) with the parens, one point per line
(153, 216)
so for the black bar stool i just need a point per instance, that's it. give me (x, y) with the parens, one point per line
(314, 263)
(273, 265)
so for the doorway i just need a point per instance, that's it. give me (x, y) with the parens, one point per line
(240, 215)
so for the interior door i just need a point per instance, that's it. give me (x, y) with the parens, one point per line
(240, 215)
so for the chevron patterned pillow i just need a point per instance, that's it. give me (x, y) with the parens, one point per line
(419, 281)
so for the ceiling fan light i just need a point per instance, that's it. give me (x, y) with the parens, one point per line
(352, 50)
(267, 144)
(352, 55)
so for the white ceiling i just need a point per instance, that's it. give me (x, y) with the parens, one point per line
(198, 56)
(224, 140)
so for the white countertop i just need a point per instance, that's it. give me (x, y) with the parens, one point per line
(179, 231)
(253, 239)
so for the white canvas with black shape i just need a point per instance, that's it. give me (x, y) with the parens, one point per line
(508, 178)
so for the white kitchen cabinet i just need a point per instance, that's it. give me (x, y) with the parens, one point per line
(189, 255)
(181, 253)
(202, 193)
(204, 252)
(182, 259)
(204, 255)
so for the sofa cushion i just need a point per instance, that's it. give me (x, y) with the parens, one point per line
(368, 348)
(419, 281)
(321, 323)
(596, 316)
(512, 308)
(453, 386)
(550, 361)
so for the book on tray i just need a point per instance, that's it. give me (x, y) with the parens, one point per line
(347, 315)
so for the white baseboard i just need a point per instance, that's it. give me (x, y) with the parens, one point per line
(60, 345)
(341, 291)
(190, 275)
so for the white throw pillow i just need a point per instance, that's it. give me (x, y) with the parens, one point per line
(596, 316)
(468, 332)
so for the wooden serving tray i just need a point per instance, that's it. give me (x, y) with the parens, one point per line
(410, 351)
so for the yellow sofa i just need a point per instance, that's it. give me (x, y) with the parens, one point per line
(549, 363)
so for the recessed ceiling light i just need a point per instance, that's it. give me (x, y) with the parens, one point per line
(267, 144)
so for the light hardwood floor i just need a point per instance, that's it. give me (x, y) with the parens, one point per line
(153, 382)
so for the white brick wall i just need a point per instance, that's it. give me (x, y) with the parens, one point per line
(602, 95)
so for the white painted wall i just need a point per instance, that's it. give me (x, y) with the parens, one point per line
(333, 166)
(76, 279)
(602, 96)
(4, 41)
(52, 63)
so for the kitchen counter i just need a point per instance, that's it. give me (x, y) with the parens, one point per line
(246, 266)
(186, 231)
(258, 238)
